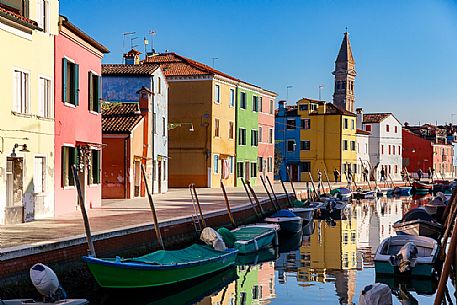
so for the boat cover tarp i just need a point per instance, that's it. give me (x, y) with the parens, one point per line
(284, 213)
(248, 233)
(416, 214)
(228, 237)
(298, 204)
(171, 257)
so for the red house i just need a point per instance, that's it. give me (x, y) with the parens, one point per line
(424, 148)
(78, 132)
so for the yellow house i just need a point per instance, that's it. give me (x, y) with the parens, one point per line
(27, 30)
(327, 140)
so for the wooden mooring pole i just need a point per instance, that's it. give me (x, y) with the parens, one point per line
(328, 180)
(227, 203)
(153, 210)
(268, 193)
(250, 199)
(82, 206)
(285, 191)
(291, 181)
(255, 198)
(273, 192)
(197, 201)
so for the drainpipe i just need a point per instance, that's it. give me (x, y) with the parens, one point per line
(235, 166)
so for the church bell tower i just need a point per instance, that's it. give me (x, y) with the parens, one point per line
(345, 74)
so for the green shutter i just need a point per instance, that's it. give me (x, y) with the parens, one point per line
(64, 80)
(98, 93)
(91, 91)
(64, 169)
(76, 84)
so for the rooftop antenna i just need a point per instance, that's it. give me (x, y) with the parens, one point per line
(320, 91)
(131, 42)
(287, 92)
(124, 35)
(214, 59)
(152, 33)
(146, 42)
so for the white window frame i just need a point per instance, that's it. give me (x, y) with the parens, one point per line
(42, 113)
(217, 94)
(42, 14)
(43, 174)
(216, 163)
(260, 136)
(245, 137)
(232, 98)
(271, 136)
(17, 105)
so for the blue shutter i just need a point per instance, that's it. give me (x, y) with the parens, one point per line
(76, 84)
(64, 80)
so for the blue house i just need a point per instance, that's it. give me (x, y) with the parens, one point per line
(287, 135)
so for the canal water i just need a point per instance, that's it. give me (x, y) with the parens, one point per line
(328, 263)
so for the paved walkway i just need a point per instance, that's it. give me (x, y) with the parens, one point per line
(119, 213)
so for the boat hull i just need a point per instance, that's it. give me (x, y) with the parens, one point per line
(306, 214)
(420, 270)
(287, 224)
(418, 228)
(257, 242)
(111, 274)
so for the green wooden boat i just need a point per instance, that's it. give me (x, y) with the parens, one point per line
(159, 268)
(251, 238)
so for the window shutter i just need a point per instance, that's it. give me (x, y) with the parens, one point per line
(64, 164)
(91, 91)
(99, 94)
(17, 91)
(76, 85)
(41, 96)
(64, 80)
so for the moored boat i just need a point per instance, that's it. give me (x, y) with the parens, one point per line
(419, 223)
(251, 238)
(159, 268)
(364, 194)
(30, 301)
(421, 187)
(288, 221)
(407, 255)
(341, 193)
(306, 214)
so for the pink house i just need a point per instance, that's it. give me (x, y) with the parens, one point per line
(78, 132)
(266, 145)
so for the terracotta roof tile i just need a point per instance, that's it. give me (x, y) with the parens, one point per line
(375, 117)
(360, 131)
(11, 13)
(120, 117)
(332, 109)
(121, 69)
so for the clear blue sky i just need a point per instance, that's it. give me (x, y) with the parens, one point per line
(405, 51)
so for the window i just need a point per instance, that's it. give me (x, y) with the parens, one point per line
(291, 124)
(45, 102)
(43, 15)
(260, 163)
(255, 103)
(253, 169)
(69, 158)
(254, 137)
(39, 175)
(290, 145)
(387, 128)
(313, 107)
(270, 136)
(260, 134)
(271, 107)
(94, 92)
(305, 145)
(95, 167)
(164, 127)
(243, 100)
(217, 94)
(352, 124)
(159, 85)
(367, 127)
(270, 164)
(70, 82)
(232, 163)
(345, 145)
(305, 166)
(305, 123)
(260, 104)
(382, 149)
(21, 92)
(231, 130)
(353, 145)
(396, 129)
(216, 163)
(216, 128)
(232, 98)
(154, 123)
(345, 123)
(242, 136)
(399, 150)
(240, 169)
(303, 107)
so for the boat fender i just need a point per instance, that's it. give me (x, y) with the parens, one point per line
(376, 294)
(405, 257)
(46, 282)
(210, 237)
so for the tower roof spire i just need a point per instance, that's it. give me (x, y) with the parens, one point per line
(345, 54)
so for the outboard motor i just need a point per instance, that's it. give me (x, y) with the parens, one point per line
(46, 282)
(376, 294)
(405, 257)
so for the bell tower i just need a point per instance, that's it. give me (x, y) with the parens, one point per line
(345, 73)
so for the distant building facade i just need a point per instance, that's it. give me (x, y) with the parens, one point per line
(363, 154)
(266, 130)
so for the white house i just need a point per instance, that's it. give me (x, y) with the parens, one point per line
(363, 156)
(385, 142)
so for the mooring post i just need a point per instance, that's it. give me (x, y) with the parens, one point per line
(227, 203)
(285, 191)
(269, 196)
(198, 205)
(273, 192)
(290, 180)
(82, 206)
(328, 180)
(255, 198)
(153, 210)
(250, 199)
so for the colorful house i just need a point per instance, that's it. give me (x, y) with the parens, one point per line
(266, 146)
(27, 30)
(123, 83)
(327, 139)
(204, 112)
(77, 99)
(363, 154)
(287, 135)
(427, 147)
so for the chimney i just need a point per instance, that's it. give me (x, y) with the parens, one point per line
(132, 57)
(359, 112)
(145, 99)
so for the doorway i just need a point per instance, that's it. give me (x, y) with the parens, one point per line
(247, 168)
(294, 172)
(14, 190)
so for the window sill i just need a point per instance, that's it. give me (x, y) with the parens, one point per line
(69, 187)
(44, 118)
(20, 114)
(94, 112)
(69, 105)
(94, 185)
